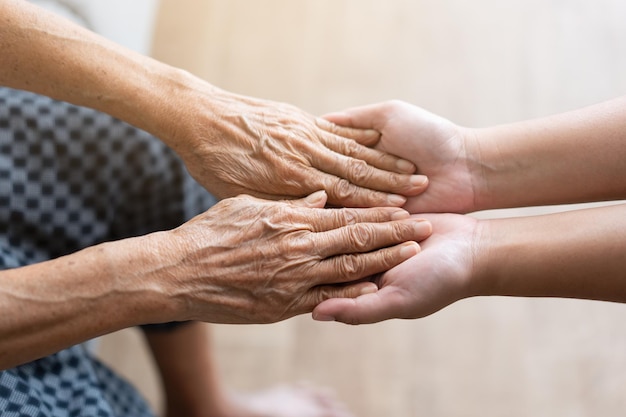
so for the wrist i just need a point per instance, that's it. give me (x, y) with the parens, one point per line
(497, 170)
(482, 278)
(142, 268)
(478, 168)
(185, 112)
(156, 99)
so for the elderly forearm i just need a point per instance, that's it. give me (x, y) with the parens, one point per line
(268, 262)
(577, 254)
(52, 305)
(578, 156)
(49, 55)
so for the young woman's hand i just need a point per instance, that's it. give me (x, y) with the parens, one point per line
(440, 149)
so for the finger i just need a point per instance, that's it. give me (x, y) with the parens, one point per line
(330, 219)
(359, 173)
(358, 143)
(372, 116)
(340, 192)
(325, 292)
(366, 237)
(367, 137)
(373, 157)
(351, 267)
(274, 197)
(369, 308)
(316, 200)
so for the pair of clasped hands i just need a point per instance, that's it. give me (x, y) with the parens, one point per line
(379, 256)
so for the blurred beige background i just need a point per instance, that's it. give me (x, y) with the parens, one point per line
(478, 63)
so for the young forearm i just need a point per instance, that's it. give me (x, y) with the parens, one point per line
(184, 358)
(577, 254)
(579, 156)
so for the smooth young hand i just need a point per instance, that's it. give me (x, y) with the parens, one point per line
(439, 148)
(438, 276)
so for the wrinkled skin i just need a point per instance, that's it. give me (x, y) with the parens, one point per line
(235, 145)
(438, 276)
(440, 149)
(248, 260)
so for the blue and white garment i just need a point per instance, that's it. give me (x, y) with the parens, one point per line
(71, 177)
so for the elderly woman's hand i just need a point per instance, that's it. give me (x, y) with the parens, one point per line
(240, 145)
(231, 144)
(248, 260)
(243, 261)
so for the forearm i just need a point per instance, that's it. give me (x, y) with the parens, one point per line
(578, 156)
(244, 261)
(50, 55)
(184, 358)
(577, 254)
(52, 305)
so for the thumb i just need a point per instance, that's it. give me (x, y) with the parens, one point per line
(340, 124)
(372, 116)
(316, 200)
(368, 308)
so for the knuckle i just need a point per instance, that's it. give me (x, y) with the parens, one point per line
(386, 258)
(397, 181)
(401, 231)
(360, 236)
(343, 189)
(351, 147)
(330, 127)
(349, 267)
(359, 171)
(325, 293)
(302, 243)
(348, 217)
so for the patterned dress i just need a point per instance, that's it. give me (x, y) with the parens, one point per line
(71, 177)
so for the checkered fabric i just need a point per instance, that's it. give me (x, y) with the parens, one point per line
(69, 383)
(71, 177)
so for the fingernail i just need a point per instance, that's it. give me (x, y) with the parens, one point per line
(396, 200)
(422, 227)
(409, 249)
(368, 289)
(316, 197)
(405, 166)
(371, 133)
(400, 215)
(419, 180)
(321, 317)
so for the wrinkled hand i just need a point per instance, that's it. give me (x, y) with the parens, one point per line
(438, 148)
(239, 145)
(248, 260)
(438, 276)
